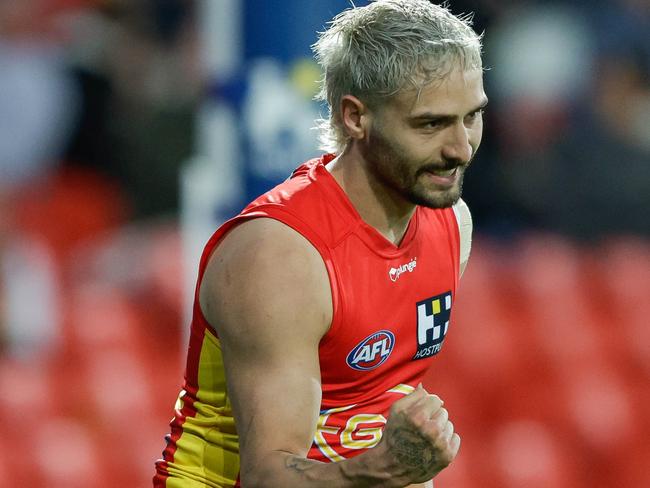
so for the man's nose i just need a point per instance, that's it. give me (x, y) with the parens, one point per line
(456, 145)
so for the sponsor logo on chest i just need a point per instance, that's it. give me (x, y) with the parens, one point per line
(395, 273)
(372, 351)
(432, 324)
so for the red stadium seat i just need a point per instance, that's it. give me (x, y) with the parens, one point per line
(556, 335)
(65, 454)
(72, 208)
(528, 454)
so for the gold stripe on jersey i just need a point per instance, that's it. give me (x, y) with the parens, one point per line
(321, 429)
(207, 452)
(402, 388)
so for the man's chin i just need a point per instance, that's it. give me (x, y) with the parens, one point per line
(438, 199)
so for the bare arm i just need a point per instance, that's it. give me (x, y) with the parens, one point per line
(266, 292)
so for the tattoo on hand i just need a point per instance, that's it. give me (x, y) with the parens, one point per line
(412, 449)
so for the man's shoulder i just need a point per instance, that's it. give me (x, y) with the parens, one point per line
(308, 202)
(262, 237)
(260, 263)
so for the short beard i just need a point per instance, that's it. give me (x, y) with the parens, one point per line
(391, 169)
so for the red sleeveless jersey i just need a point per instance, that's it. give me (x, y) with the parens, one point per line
(391, 314)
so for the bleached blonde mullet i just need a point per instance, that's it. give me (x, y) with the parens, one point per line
(373, 52)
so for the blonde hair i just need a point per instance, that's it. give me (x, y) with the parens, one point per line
(373, 52)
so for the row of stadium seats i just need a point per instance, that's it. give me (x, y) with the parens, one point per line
(547, 367)
(544, 371)
(90, 406)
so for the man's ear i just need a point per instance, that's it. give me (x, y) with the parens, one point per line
(355, 117)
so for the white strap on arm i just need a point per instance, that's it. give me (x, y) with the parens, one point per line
(464, 219)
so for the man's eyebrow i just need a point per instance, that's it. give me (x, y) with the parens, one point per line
(446, 117)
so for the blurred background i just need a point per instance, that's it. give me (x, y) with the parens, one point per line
(129, 129)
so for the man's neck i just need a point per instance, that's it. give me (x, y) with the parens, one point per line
(378, 205)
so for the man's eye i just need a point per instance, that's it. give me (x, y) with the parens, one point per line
(432, 124)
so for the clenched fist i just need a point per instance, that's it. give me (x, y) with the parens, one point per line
(419, 439)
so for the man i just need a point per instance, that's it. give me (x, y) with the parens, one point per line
(319, 308)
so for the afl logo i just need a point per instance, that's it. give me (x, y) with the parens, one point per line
(372, 351)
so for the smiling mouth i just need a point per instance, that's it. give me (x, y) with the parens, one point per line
(445, 173)
(442, 170)
(444, 178)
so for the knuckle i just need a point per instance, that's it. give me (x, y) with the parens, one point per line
(447, 453)
(455, 441)
(441, 422)
(419, 395)
(444, 414)
(421, 392)
(435, 399)
(418, 417)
